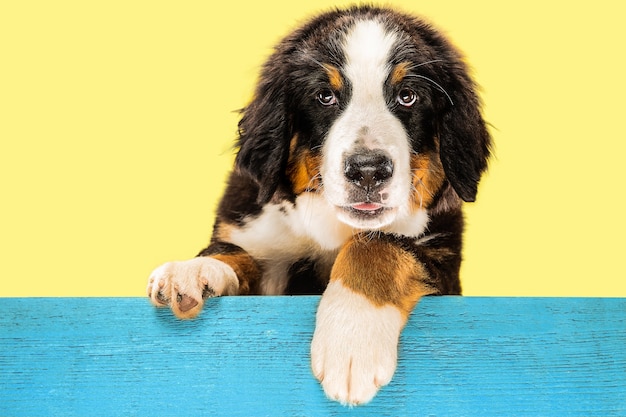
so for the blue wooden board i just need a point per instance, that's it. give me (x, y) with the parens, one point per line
(249, 356)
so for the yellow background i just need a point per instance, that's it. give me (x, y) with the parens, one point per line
(117, 117)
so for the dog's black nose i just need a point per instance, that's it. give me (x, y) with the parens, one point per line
(368, 170)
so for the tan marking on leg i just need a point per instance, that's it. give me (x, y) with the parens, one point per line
(246, 268)
(383, 272)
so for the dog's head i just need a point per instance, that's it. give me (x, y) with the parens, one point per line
(370, 108)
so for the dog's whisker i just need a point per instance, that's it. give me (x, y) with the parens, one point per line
(417, 195)
(311, 185)
(310, 58)
(423, 185)
(432, 61)
(324, 66)
(439, 87)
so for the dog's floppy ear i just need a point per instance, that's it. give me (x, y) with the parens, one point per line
(264, 134)
(464, 140)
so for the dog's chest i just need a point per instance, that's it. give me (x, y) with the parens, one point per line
(286, 233)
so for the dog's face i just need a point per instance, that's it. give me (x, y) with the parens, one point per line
(367, 168)
(371, 109)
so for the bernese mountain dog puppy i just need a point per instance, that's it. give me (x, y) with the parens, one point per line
(363, 139)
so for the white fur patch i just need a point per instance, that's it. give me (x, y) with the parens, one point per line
(314, 217)
(409, 224)
(367, 122)
(283, 234)
(355, 345)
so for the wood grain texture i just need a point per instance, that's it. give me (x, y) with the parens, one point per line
(249, 356)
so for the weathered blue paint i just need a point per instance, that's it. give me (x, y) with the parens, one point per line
(249, 356)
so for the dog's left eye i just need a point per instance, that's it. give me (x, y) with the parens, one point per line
(326, 97)
(406, 97)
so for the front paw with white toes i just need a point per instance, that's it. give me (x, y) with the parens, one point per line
(184, 285)
(355, 346)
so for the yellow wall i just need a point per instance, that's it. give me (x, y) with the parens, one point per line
(116, 120)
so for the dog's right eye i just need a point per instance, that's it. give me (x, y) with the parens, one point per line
(406, 97)
(326, 97)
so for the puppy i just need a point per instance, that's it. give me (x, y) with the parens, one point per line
(355, 155)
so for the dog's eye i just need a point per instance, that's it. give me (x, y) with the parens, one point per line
(326, 97)
(406, 97)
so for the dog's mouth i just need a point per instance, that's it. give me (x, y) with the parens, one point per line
(366, 210)
(366, 215)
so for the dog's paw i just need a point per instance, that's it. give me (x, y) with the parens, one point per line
(184, 285)
(355, 345)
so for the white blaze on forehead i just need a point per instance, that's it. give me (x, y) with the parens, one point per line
(367, 47)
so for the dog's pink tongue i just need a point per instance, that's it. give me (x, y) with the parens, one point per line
(367, 206)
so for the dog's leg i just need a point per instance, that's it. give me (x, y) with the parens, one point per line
(374, 285)
(221, 269)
